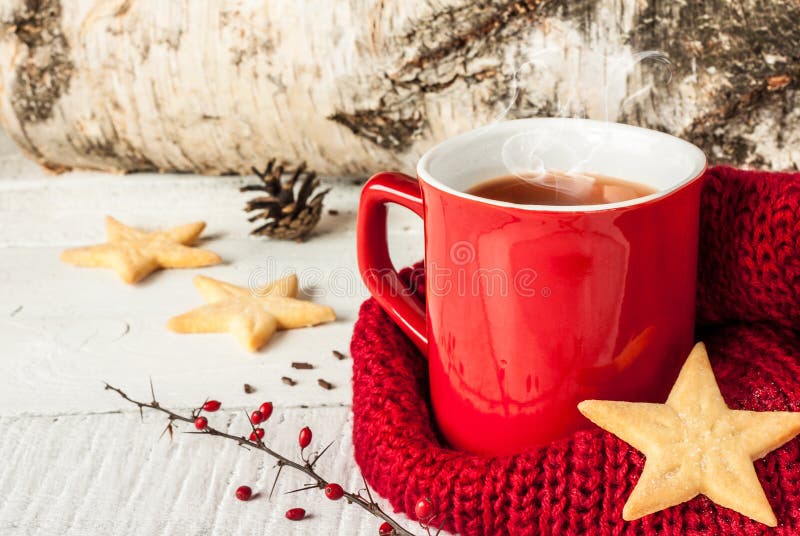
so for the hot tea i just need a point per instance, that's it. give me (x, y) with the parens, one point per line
(557, 188)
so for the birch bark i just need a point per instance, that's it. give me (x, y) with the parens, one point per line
(355, 86)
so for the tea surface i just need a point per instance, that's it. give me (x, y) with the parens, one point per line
(557, 188)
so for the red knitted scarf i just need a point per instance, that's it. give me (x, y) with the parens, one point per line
(749, 317)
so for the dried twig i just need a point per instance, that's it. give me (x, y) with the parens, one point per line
(306, 467)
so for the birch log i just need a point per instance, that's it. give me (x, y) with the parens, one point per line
(213, 86)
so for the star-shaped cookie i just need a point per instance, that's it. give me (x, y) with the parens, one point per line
(134, 253)
(694, 444)
(249, 316)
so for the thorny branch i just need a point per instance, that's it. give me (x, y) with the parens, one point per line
(307, 467)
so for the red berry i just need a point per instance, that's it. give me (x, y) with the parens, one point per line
(266, 410)
(295, 514)
(211, 406)
(243, 493)
(424, 509)
(256, 417)
(200, 423)
(305, 437)
(385, 529)
(334, 491)
(257, 434)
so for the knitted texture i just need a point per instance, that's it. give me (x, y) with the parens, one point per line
(748, 315)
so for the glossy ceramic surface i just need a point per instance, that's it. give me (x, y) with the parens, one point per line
(533, 309)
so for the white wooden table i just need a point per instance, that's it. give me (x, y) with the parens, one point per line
(74, 458)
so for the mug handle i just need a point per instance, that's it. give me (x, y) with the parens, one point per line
(376, 267)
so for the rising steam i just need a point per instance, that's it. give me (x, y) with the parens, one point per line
(585, 88)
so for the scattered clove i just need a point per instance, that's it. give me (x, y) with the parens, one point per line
(325, 385)
(288, 381)
(338, 355)
(780, 81)
(302, 366)
(249, 388)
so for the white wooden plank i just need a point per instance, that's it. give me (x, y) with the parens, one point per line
(66, 329)
(110, 474)
(71, 469)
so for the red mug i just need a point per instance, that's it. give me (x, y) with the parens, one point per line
(529, 308)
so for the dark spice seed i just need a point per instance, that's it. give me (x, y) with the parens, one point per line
(288, 381)
(333, 212)
(302, 366)
(325, 385)
(249, 388)
(338, 355)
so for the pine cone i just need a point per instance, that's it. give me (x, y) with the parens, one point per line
(286, 216)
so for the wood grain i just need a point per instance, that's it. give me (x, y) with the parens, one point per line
(111, 474)
(72, 462)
